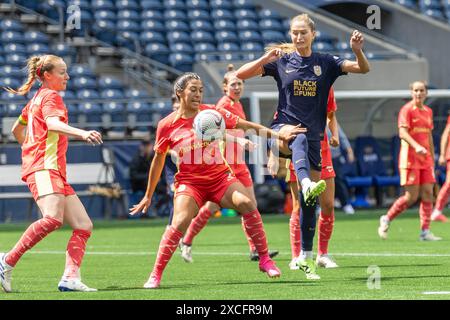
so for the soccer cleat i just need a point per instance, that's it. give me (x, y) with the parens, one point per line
(309, 268)
(153, 282)
(5, 273)
(384, 227)
(426, 235)
(186, 252)
(270, 268)
(326, 262)
(293, 264)
(348, 209)
(255, 257)
(74, 285)
(438, 216)
(313, 191)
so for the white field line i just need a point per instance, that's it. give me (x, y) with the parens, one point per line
(435, 292)
(143, 253)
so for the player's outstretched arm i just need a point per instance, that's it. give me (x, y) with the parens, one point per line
(255, 67)
(361, 65)
(266, 132)
(54, 124)
(155, 171)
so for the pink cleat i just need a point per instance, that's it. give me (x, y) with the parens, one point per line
(269, 267)
(440, 218)
(153, 282)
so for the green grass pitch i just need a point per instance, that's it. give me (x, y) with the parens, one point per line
(120, 256)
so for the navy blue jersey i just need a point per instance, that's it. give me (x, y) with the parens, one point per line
(303, 85)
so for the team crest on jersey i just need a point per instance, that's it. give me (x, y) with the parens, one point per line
(317, 70)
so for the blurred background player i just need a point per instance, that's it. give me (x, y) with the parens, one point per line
(416, 162)
(234, 154)
(44, 147)
(196, 183)
(304, 79)
(444, 193)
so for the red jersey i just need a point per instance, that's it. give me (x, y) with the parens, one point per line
(234, 153)
(447, 155)
(419, 123)
(199, 162)
(331, 107)
(43, 149)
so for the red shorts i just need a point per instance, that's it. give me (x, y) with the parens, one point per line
(213, 192)
(409, 177)
(327, 167)
(44, 182)
(244, 176)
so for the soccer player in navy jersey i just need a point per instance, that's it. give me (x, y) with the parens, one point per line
(304, 79)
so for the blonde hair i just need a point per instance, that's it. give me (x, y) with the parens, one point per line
(36, 66)
(290, 47)
(411, 85)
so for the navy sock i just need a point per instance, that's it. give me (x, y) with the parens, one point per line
(299, 148)
(307, 224)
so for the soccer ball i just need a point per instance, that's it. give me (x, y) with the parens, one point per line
(209, 125)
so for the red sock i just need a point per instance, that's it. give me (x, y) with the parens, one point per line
(251, 245)
(197, 224)
(167, 247)
(75, 253)
(35, 233)
(326, 224)
(443, 195)
(295, 234)
(426, 208)
(255, 229)
(398, 207)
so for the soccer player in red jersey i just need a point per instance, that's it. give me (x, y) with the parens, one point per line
(444, 193)
(202, 176)
(44, 147)
(234, 155)
(416, 162)
(326, 200)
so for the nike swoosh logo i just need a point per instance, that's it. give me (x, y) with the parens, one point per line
(218, 123)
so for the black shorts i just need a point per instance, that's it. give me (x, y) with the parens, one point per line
(314, 149)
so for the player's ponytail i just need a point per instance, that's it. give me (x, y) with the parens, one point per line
(36, 66)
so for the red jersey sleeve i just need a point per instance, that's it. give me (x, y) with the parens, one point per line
(162, 139)
(331, 104)
(404, 118)
(53, 106)
(23, 118)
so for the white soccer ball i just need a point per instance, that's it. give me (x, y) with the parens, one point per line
(209, 125)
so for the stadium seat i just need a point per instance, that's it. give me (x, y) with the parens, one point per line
(244, 4)
(12, 71)
(18, 48)
(228, 47)
(84, 5)
(128, 40)
(2, 60)
(152, 5)
(126, 25)
(230, 57)
(65, 51)
(105, 30)
(245, 14)
(108, 82)
(105, 15)
(136, 94)
(180, 61)
(205, 57)
(11, 37)
(36, 37)
(197, 4)
(252, 46)
(11, 25)
(343, 46)
(181, 47)
(152, 37)
(247, 24)
(162, 107)
(224, 25)
(175, 14)
(203, 25)
(202, 36)
(197, 14)
(267, 13)
(89, 113)
(248, 56)
(322, 36)
(87, 94)
(17, 60)
(271, 24)
(9, 82)
(217, 14)
(157, 51)
(250, 36)
(67, 94)
(204, 47)
(272, 36)
(83, 83)
(113, 114)
(11, 98)
(138, 110)
(122, 5)
(153, 25)
(102, 5)
(323, 47)
(176, 25)
(152, 15)
(226, 36)
(50, 9)
(221, 4)
(37, 49)
(112, 94)
(14, 109)
(174, 4)
(178, 36)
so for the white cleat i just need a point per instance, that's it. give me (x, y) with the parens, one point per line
(74, 285)
(325, 261)
(348, 209)
(5, 273)
(384, 227)
(426, 235)
(293, 264)
(186, 252)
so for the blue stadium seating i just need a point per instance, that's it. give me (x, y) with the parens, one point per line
(182, 47)
(65, 51)
(9, 82)
(222, 14)
(14, 109)
(203, 25)
(411, 4)
(244, 4)
(2, 60)
(152, 37)
(102, 4)
(116, 112)
(18, 48)
(227, 46)
(139, 109)
(126, 25)
(267, 13)
(323, 46)
(250, 36)
(67, 94)
(17, 60)
(197, 4)
(197, 14)
(112, 94)
(202, 36)
(12, 71)
(270, 36)
(245, 14)
(226, 36)
(80, 70)
(105, 15)
(230, 57)
(152, 5)
(323, 36)
(271, 24)
(174, 4)
(84, 5)
(127, 5)
(252, 46)
(37, 49)
(12, 98)
(152, 15)
(83, 83)
(182, 62)
(162, 107)
(36, 37)
(50, 10)
(12, 37)
(157, 51)
(206, 57)
(128, 39)
(89, 113)
(153, 25)
(247, 24)
(87, 94)
(224, 25)
(11, 25)
(107, 82)
(136, 94)
(178, 36)
(204, 47)
(176, 25)
(175, 14)
(105, 30)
